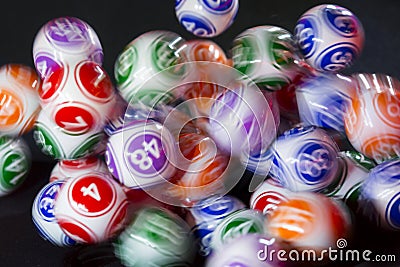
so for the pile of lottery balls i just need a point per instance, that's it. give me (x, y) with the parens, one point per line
(149, 163)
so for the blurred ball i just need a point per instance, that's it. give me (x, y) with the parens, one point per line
(207, 214)
(204, 51)
(305, 159)
(251, 250)
(141, 154)
(241, 121)
(268, 196)
(19, 105)
(78, 98)
(91, 208)
(202, 169)
(372, 122)
(310, 221)
(206, 18)
(236, 224)
(63, 42)
(15, 163)
(149, 67)
(53, 141)
(267, 55)
(380, 195)
(155, 237)
(65, 169)
(323, 101)
(330, 37)
(43, 216)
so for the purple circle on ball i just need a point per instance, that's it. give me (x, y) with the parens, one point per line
(146, 155)
(68, 32)
(46, 65)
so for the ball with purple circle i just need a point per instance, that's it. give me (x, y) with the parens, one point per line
(141, 154)
(241, 121)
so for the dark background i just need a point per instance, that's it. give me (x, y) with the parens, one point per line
(119, 22)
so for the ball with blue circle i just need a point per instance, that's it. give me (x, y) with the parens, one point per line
(330, 37)
(206, 18)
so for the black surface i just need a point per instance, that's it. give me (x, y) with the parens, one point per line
(117, 23)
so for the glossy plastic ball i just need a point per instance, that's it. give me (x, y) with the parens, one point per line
(206, 18)
(305, 159)
(91, 208)
(372, 122)
(141, 154)
(155, 237)
(63, 42)
(330, 37)
(15, 163)
(19, 106)
(149, 67)
(380, 195)
(267, 55)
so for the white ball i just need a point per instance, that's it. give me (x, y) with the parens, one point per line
(206, 18)
(65, 41)
(148, 67)
(91, 208)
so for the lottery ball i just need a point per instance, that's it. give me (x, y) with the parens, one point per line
(252, 250)
(322, 101)
(202, 170)
(268, 196)
(15, 162)
(372, 122)
(149, 67)
(65, 169)
(43, 216)
(207, 214)
(236, 224)
(310, 221)
(305, 159)
(63, 42)
(330, 37)
(19, 106)
(267, 55)
(54, 142)
(78, 98)
(155, 237)
(91, 208)
(141, 154)
(206, 18)
(380, 195)
(241, 122)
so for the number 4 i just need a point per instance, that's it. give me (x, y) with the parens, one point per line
(91, 191)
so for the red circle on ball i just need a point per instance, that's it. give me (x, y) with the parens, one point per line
(74, 119)
(51, 84)
(94, 81)
(92, 195)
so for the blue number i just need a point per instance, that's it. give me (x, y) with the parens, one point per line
(197, 25)
(47, 199)
(305, 34)
(345, 25)
(337, 57)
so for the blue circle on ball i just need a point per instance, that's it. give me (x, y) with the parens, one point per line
(197, 25)
(297, 131)
(306, 34)
(219, 7)
(314, 163)
(386, 173)
(393, 211)
(345, 25)
(178, 2)
(337, 57)
(333, 116)
(46, 201)
(218, 207)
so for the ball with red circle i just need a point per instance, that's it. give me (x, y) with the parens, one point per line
(91, 208)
